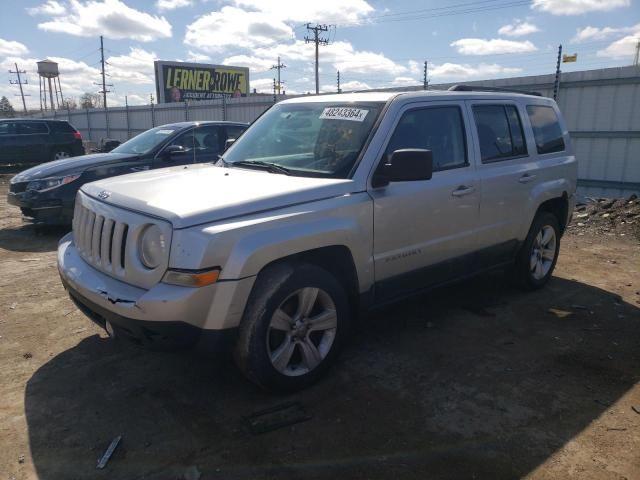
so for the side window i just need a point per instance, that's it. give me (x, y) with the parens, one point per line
(30, 128)
(439, 129)
(499, 132)
(7, 128)
(209, 139)
(234, 132)
(187, 141)
(546, 129)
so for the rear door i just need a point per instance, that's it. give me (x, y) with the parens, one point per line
(424, 229)
(33, 142)
(506, 174)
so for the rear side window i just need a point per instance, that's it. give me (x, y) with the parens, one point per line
(61, 127)
(7, 128)
(499, 132)
(235, 131)
(439, 129)
(30, 128)
(546, 129)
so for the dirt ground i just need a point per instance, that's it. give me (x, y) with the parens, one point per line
(474, 381)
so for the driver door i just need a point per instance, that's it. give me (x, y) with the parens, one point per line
(424, 229)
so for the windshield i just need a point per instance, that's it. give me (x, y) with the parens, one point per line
(308, 139)
(146, 141)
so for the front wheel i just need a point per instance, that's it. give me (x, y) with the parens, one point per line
(293, 328)
(539, 253)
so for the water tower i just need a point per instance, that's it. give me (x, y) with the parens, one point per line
(48, 70)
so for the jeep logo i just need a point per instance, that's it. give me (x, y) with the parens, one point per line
(103, 195)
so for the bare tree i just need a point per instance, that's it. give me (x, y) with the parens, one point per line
(69, 104)
(90, 100)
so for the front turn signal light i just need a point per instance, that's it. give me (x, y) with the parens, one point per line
(192, 278)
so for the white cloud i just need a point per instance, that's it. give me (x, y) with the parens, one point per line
(457, 70)
(163, 5)
(414, 67)
(197, 57)
(518, 29)
(405, 81)
(135, 67)
(234, 27)
(325, 11)
(50, 7)
(595, 33)
(480, 46)
(111, 18)
(262, 85)
(578, 7)
(8, 47)
(353, 85)
(256, 64)
(623, 48)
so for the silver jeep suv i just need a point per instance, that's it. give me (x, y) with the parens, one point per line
(325, 206)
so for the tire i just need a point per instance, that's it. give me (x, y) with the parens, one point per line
(278, 347)
(58, 153)
(539, 253)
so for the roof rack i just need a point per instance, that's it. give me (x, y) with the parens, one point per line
(470, 88)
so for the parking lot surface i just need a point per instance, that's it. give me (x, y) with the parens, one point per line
(478, 380)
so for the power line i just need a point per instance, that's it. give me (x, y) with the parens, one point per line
(19, 82)
(318, 41)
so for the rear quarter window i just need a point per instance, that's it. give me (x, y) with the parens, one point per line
(61, 127)
(546, 129)
(31, 128)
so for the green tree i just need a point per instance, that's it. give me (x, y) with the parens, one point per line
(6, 109)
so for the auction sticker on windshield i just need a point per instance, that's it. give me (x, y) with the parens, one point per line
(164, 132)
(344, 113)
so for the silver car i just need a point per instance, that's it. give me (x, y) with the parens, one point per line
(325, 207)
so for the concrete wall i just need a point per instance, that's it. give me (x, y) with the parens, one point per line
(602, 109)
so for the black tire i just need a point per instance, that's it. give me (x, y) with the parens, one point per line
(276, 286)
(524, 274)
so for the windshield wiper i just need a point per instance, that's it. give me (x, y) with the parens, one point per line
(270, 167)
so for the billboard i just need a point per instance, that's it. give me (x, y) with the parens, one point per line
(180, 81)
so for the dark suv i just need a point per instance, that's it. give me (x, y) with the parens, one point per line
(34, 141)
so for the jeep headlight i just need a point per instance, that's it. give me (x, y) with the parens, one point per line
(45, 184)
(152, 246)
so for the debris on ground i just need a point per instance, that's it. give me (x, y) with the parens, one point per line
(13, 306)
(607, 216)
(21, 458)
(636, 409)
(276, 417)
(107, 454)
(27, 355)
(191, 473)
(559, 312)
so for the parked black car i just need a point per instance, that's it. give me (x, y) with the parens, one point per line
(46, 193)
(34, 141)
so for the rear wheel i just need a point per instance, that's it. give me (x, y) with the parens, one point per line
(293, 328)
(539, 253)
(59, 154)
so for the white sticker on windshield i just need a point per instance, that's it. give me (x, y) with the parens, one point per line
(344, 113)
(164, 132)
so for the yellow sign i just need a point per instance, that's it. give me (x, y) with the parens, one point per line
(570, 58)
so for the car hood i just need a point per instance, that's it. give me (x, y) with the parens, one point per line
(67, 166)
(205, 193)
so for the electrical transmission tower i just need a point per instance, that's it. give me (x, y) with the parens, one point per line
(279, 66)
(318, 41)
(425, 81)
(339, 89)
(19, 82)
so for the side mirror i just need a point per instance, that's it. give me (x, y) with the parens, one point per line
(173, 151)
(228, 143)
(405, 165)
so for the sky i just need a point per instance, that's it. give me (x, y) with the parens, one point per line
(372, 43)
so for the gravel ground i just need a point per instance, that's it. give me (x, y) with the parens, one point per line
(474, 381)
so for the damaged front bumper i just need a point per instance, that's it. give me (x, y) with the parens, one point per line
(165, 316)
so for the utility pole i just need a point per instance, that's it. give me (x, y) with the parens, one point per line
(339, 89)
(20, 83)
(556, 84)
(104, 85)
(279, 66)
(425, 81)
(636, 60)
(275, 90)
(318, 41)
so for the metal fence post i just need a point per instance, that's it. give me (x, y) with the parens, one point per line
(153, 115)
(88, 124)
(186, 111)
(224, 107)
(106, 119)
(126, 110)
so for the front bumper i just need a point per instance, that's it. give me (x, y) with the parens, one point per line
(165, 316)
(42, 208)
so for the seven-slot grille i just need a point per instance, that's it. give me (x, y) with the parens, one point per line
(101, 241)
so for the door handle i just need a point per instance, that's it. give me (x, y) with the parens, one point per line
(463, 190)
(526, 178)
